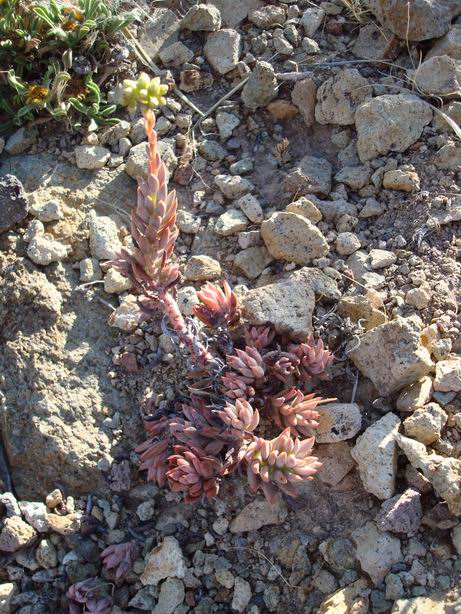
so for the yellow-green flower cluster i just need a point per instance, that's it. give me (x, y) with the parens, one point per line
(149, 93)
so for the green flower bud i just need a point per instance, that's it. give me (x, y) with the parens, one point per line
(147, 92)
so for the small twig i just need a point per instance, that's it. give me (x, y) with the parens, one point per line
(221, 100)
(271, 563)
(5, 476)
(297, 76)
(354, 389)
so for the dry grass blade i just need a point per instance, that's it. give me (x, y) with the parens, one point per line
(451, 122)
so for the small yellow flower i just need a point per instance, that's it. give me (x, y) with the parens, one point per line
(149, 93)
(36, 95)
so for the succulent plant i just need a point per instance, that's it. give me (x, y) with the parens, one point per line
(259, 337)
(249, 364)
(120, 557)
(314, 359)
(86, 597)
(194, 473)
(282, 365)
(295, 410)
(234, 386)
(218, 307)
(279, 463)
(240, 416)
(148, 93)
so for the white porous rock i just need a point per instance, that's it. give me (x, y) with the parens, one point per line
(391, 122)
(426, 423)
(259, 513)
(233, 186)
(187, 299)
(35, 514)
(166, 560)
(418, 297)
(311, 20)
(226, 122)
(7, 592)
(292, 237)
(202, 268)
(448, 375)
(231, 222)
(442, 472)
(347, 243)
(376, 455)
(250, 206)
(261, 87)
(406, 181)
(91, 157)
(268, 16)
(188, 222)
(439, 76)
(337, 422)
(339, 97)
(176, 54)
(252, 261)
(104, 239)
(48, 211)
(90, 270)
(305, 207)
(415, 396)
(202, 18)
(242, 595)
(128, 315)
(376, 551)
(44, 250)
(392, 355)
(381, 258)
(222, 50)
(116, 283)
(35, 228)
(136, 163)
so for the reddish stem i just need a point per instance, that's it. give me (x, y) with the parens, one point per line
(195, 347)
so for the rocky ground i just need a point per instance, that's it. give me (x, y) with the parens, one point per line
(341, 182)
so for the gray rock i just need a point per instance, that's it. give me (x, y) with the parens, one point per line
(47, 211)
(442, 472)
(171, 596)
(201, 268)
(35, 514)
(390, 123)
(426, 423)
(311, 20)
(259, 513)
(448, 375)
(188, 222)
(91, 157)
(89, 270)
(304, 96)
(312, 175)
(401, 514)
(15, 534)
(252, 261)
(8, 500)
(161, 30)
(439, 76)
(375, 43)
(286, 305)
(202, 18)
(46, 554)
(376, 455)
(392, 356)
(428, 18)
(250, 206)
(7, 591)
(339, 97)
(339, 553)
(347, 243)
(242, 595)
(268, 16)
(356, 177)
(231, 222)
(116, 283)
(21, 140)
(336, 461)
(381, 258)
(226, 122)
(323, 286)
(44, 250)
(420, 605)
(222, 50)
(212, 150)
(376, 551)
(234, 13)
(305, 207)
(291, 237)
(176, 54)
(261, 87)
(14, 205)
(338, 422)
(233, 186)
(166, 560)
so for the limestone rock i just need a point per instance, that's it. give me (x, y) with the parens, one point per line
(305, 207)
(390, 123)
(304, 96)
(268, 16)
(336, 462)
(44, 250)
(442, 472)
(381, 258)
(376, 455)
(338, 422)
(339, 97)
(376, 551)
(291, 237)
(222, 50)
(104, 240)
(231, 222)
(202, 18)
(233, 186)
(439, 76)
(202, 268)
(14, 205)
(416, 395)
(261, 87)
(428, 18)
(15, 534)
(401, 514)
(392, 356)
(361, 307)
(259, 513)
(252, 261)
(116, 283)
(426, 423)
(312, 175)
(407, 181)
(345, 600)
(166, 560)
(286, 305)
(448, 375)
(91, 157)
